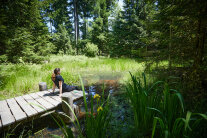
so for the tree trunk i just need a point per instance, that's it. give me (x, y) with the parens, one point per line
(169, 49)
(85, 27)
(199, 55)
(200, 42)
(76, 23)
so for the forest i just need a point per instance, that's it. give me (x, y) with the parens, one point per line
(151, 53)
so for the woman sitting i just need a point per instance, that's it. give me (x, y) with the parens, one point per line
(59, 82)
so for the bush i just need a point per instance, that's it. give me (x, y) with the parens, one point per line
(3, 58)
(91, 50)
(81, 45)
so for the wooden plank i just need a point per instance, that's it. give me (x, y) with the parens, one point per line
(57, 98)
(76, 95)
(33, 103)
(42, 101)
(16, 110)
(5, 113)
(45, 95)
(54, 96)
(29, 110)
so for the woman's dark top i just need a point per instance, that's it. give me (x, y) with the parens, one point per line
(65, 87)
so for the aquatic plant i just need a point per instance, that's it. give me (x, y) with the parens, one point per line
(96, 126)
(141, 97)
(159, 103)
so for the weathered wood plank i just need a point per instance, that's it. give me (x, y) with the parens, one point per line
(5, 113)
(42, 101)
(16, 110)
(33, 103)
(76, 95)
(29, 110)
(57, 98)
(45, 95)
(54, 96)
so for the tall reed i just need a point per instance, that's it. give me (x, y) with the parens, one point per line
(161, 105)
(141, 98)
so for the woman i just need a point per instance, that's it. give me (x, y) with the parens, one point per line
(59, 82)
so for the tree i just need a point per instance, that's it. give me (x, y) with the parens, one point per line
(21, 26)
(130, 26)
(61, 15)
(100, 24)
(62, 41)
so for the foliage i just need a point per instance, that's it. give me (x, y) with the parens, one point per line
(96, 126)
(25, 34)
(3, 58)
(130, 25)
(141, 97)
(180, 127)
(150, 104)
(20, 45)
(91, 50)
(61, 39)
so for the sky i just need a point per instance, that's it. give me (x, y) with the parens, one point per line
(121, 4)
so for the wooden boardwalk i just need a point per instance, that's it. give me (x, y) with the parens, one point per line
(21, 108)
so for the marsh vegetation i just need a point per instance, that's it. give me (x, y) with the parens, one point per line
(149, 54)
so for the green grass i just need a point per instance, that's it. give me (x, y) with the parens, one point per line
(19, 79)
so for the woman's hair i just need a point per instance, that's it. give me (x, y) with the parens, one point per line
(56, 70)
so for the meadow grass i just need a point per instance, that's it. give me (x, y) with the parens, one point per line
(19, 79)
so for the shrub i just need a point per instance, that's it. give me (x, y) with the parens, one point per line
(91, 50)
(81, 45)
(3, 58)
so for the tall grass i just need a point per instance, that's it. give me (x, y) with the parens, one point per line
(159, 103)
(141, 98)
(18, 79)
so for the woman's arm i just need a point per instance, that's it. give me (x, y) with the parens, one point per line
(53, 87)
(60, 86)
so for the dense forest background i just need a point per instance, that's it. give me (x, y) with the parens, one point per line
(153, 30)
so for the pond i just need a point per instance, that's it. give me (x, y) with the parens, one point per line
(93, 83)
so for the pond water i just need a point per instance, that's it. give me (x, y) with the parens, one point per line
(93, 83)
